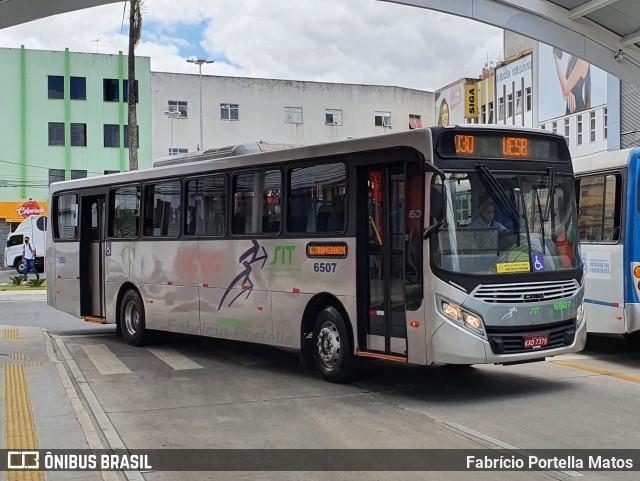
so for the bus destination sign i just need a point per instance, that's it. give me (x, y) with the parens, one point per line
(497, 145)
(327, 250)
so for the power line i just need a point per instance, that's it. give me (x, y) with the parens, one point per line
(46, 168)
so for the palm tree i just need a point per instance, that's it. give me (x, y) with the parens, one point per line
(135, 33)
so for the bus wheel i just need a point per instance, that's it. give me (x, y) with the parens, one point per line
(633, 338)
(331, 347)
(132, 323)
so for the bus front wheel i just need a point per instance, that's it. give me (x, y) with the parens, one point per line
(132, 323)
(331, 347)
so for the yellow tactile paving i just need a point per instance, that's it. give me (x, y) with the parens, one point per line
(17, 355)
(12, 335)
(598, 371)
(19, 424)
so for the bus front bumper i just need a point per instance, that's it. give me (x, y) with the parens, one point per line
(454, 345)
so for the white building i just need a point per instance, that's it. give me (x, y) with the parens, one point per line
(514, 91)
(238, 110)
(586, 131)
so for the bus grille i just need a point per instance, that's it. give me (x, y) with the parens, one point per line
(510, 339)
(526, 291)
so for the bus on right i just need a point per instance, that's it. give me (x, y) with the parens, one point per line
(609, 229)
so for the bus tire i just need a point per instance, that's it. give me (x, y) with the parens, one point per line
(633, 338)
(132, 321)
(332, 352)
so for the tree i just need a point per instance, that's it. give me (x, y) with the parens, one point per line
(135, 33)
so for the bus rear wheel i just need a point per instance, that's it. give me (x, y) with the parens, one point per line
(332, 351)
(132, 321)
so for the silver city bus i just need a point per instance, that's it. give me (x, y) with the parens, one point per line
(451, 245)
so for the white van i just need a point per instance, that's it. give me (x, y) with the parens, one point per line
(33, 227)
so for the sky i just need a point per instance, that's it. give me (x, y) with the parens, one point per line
(344, 41)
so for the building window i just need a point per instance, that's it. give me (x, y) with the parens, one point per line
(382, 119)
(579, 136)
(566, 129)
(56, 133)
(256, 202)
(125, 93)
(501, 108)
(79, 135)
(162, 205)
(178, 150)
(543, 127)
(126, 135)
(78, 88)
(56, 87)
(124, 212)
(293, 115)
(78, 174)
(56, 175)
(510, 105)
(528, 100)
(415, 121)
(111, 135)
(519, 102)
(110, 90)
(605, 123)
(333, 116)
(554, 127)
(599, 219)
(592, 126)
(206, 206)
(317, 199)
(228, 111)
(490, 119)
(178, 106)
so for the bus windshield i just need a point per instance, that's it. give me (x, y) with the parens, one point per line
(503, 223)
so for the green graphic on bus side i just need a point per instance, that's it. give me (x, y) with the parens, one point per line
(285, 253)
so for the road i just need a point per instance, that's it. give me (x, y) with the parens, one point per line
(185, 392)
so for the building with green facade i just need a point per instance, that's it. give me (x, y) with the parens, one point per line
(64, 116)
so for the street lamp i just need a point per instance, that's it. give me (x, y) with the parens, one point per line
(199, 62)
(172, 114)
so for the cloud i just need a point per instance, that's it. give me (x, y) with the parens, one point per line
(349, 41)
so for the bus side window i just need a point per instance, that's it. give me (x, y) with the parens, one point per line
(599, 204)
(317, 199)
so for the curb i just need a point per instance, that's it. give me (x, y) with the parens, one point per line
(40, 295)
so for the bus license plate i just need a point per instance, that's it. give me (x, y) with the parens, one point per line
(534, 342)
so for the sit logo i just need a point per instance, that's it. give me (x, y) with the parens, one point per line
(283, 255)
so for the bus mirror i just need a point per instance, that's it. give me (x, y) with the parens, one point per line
(438, 201)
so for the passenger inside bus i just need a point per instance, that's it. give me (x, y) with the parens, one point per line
(335, 221)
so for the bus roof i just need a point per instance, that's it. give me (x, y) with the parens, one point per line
(419, 139)
(602, 161)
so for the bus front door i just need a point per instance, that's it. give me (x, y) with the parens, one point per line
(92, 253)
(381, 260)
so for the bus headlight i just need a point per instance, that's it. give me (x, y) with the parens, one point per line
(580, 315)
(469, 320)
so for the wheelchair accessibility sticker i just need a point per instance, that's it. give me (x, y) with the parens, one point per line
(537, 261)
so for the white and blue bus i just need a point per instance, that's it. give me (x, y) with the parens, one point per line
(609, 226)
(453, 245)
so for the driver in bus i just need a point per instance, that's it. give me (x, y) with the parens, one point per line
(484, 218)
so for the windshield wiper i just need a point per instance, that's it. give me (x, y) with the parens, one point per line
(542, 219)
(550, 193)
(496, 191)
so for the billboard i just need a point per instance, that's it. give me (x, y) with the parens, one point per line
(567, 84)
(449, 103)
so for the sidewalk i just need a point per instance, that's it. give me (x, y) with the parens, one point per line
(42, 407)
(34, 295)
